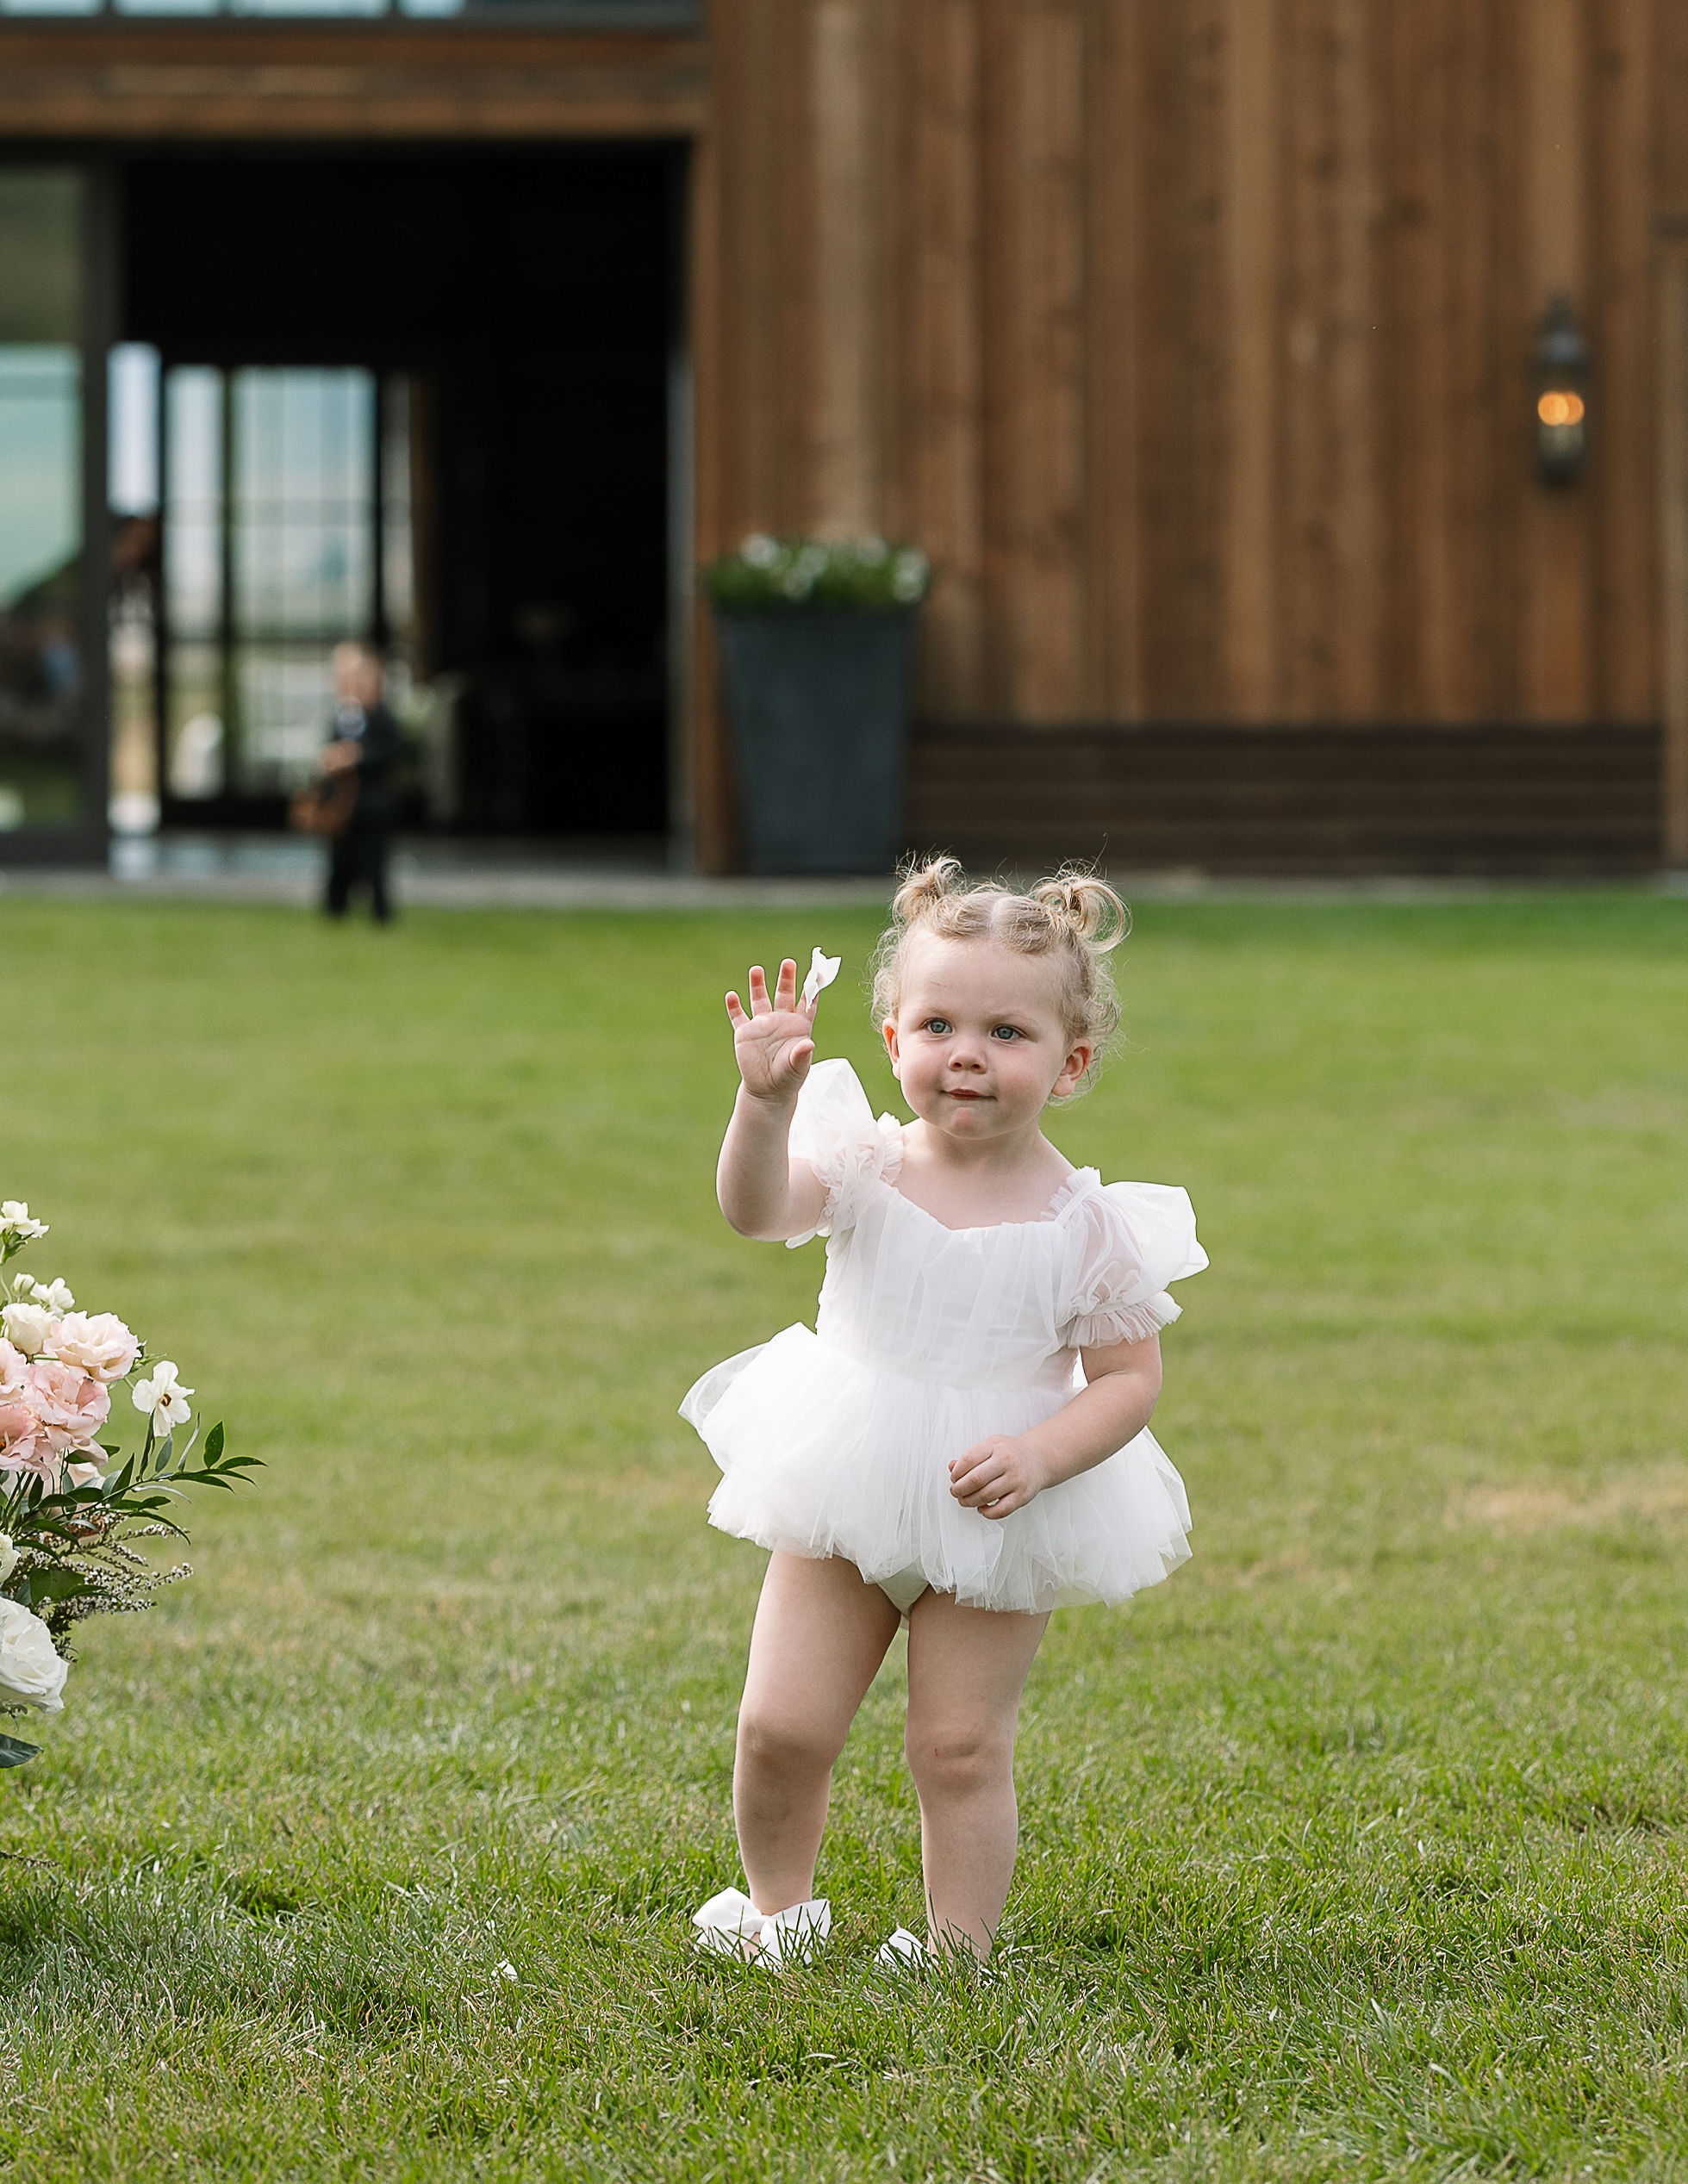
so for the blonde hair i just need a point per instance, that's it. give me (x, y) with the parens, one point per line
(1075, 919)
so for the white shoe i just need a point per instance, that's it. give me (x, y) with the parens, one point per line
(796, 1936)
(726, 1924)
(730, 1925)
(901, 1952)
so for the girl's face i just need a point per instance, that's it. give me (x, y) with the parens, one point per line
(978, 1044)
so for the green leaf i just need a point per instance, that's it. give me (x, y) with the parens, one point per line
(13, 1752)
(214, 1443)
(55, 1584)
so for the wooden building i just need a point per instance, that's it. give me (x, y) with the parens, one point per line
(1194, 340)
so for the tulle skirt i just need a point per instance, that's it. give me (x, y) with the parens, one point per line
(822, 1455)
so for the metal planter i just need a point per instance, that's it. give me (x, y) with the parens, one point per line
(819, 706)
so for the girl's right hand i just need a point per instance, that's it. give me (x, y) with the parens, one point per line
(772, 1045)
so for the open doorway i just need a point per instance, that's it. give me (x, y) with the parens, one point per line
(420, 397)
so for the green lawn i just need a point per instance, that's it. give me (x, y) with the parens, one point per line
(1355, 1851)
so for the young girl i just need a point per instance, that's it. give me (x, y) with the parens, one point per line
(962, 1441)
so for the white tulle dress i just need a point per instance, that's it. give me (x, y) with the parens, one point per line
(929, 1339)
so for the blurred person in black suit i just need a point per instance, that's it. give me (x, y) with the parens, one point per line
(364, 741)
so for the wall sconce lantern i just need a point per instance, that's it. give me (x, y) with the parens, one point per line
(1561, 393)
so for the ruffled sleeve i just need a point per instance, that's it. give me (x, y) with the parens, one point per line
(1134, 1238)
(834, 1131)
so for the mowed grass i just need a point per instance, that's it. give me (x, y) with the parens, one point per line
(1357, 1850)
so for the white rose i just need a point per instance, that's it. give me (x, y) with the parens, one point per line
(30, 1670)
(8, 1557)
(164, 1396)
(26, 1327)
(14, 1222)
(98, 1342)
(55, 1295)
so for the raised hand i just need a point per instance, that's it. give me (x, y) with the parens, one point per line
(772, 1043)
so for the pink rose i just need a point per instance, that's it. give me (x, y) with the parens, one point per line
(20, 1437)
(13, 1366)
(70, 1404)
(98, 1342)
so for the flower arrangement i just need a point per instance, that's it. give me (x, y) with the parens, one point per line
(70, 1504)
(803, 576)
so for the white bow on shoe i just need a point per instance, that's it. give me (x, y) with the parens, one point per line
(902, 1951)
(730, 1925)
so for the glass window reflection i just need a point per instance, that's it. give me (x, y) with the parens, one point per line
(40, 496)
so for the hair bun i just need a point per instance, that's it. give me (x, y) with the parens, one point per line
(1089, 904)
(925, 886)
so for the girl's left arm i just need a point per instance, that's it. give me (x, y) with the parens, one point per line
(1121, 1385)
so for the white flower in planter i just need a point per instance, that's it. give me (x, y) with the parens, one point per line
(31, 1672)
(760, 551)
(908, 578)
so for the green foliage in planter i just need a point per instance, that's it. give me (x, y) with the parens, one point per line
(800, 576)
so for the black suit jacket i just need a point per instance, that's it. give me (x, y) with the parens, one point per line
(380, 744)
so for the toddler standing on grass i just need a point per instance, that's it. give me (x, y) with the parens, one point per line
(962, 1443)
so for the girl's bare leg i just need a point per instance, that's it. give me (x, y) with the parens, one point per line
(966, 1668)
(820, 1634)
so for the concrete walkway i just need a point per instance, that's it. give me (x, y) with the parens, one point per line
(633, 874)
(426, 874)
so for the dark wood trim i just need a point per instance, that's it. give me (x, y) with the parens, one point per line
(1287, 800)
(137, 79)
(1672, 382)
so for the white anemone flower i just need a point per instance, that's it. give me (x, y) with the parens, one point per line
(164, 1396)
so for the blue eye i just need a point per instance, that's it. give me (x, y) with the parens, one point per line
(936, 1024)
(1004, 1031)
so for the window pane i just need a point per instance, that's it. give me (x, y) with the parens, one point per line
(397, 549)
(49, 7)
(40, 496)
(303, 484)
(193, 550)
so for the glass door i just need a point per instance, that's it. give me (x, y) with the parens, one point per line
(52, 679)
(286, 529)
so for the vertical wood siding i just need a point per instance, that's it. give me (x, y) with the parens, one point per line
(1193, 339)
